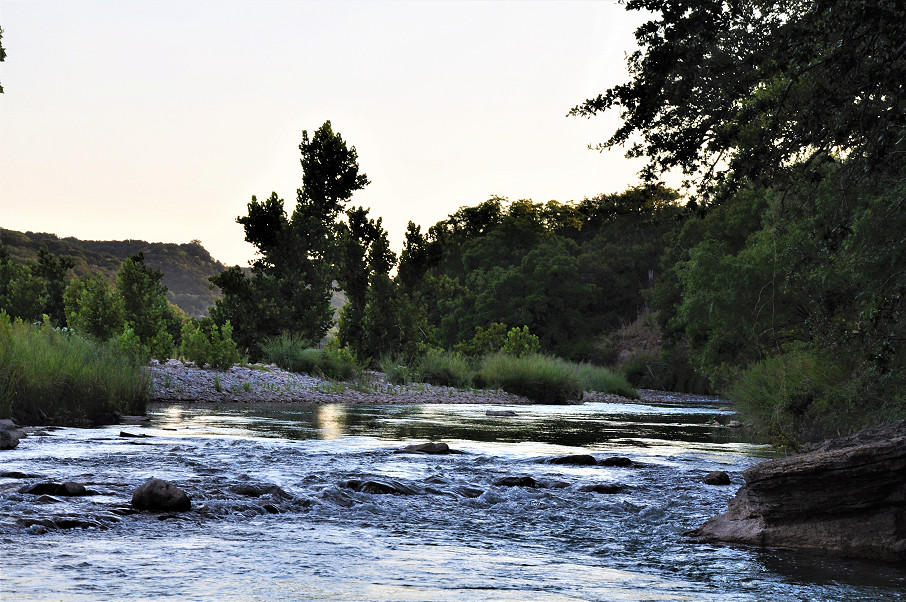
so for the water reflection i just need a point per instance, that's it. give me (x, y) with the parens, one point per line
(584, 427)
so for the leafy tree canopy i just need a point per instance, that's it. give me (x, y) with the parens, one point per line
(762, 90)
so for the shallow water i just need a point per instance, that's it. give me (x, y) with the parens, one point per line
(455, 536)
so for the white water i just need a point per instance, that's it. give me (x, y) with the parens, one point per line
(330, 542)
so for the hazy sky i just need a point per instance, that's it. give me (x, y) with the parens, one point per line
(158, 120)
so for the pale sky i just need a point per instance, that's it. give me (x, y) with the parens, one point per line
(159, 120)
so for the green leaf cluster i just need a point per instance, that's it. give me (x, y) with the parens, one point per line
(203, 342)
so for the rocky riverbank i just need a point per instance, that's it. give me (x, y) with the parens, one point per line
(846, 498)
(178, 381)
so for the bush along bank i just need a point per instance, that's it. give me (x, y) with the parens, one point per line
(55, 376)
(541, 378)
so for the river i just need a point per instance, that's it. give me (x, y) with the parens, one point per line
(275, 518)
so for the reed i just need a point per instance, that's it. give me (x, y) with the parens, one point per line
(52, 376)
(602, 380)
(541, 378)
(448, 369)
(292, 353)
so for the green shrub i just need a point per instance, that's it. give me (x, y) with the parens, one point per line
(804, 394)
(130, 347)
(286, 350)
(448, 369)
(668, 370)
(485, 341)
(291, 352)
(195, 345)
(397, 370)
(59, 377)
(602, 380)
(215, 348)
(520, 342)
(541, 378)
(338, 363)
(224, 352)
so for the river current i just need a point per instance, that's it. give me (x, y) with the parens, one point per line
(276, 515)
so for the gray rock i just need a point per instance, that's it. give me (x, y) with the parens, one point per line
(15, 474)
(67, 489)
(718, 477)
(848, 500)
(159, 495)
(516, 482)
(9, 434)
(575, 460)
(602, 488)
(426, 448)
(500, 413)
(616, 461)
(378, 487)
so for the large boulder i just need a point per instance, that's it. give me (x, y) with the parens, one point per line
(160, 495)
(9, 434)
(847, 498)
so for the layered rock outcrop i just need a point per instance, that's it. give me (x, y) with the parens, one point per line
(846, 498)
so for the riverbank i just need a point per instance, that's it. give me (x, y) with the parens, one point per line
(183, 381)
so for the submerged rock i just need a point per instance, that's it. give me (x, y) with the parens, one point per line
(516, 482)
(575, 460)
(718, 477)
(846, 499)
(430, 447)
(616, 461)
(68, 489)
(157, 494)
(500, 413)
(602, 488)
(378, 487)
(15, 474)
(253, 489)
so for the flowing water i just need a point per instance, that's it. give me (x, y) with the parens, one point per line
(275, 516)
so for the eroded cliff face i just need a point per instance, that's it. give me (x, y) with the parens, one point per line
(846, 498)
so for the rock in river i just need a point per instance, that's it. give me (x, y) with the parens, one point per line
(9, 434)
(621, 461)
(426, 448)
(718, 477)
(574, 460)
(516, 482)
(846, 499)
(156, 494)
(67, 489)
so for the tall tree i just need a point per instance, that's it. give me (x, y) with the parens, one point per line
(762, 90)
(291, 283)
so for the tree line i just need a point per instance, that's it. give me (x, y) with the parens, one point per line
(775, 275)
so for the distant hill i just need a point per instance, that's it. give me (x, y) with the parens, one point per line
(186, 267)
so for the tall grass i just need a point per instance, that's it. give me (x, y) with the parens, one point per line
(602, 380)
(292, 353)
(448, 369)
(52, 377)
(541, 378)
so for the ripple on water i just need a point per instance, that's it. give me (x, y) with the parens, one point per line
(277, 518)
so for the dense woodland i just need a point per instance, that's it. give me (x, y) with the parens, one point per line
(775, 275)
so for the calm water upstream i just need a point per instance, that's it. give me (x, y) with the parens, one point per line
(455, 537)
